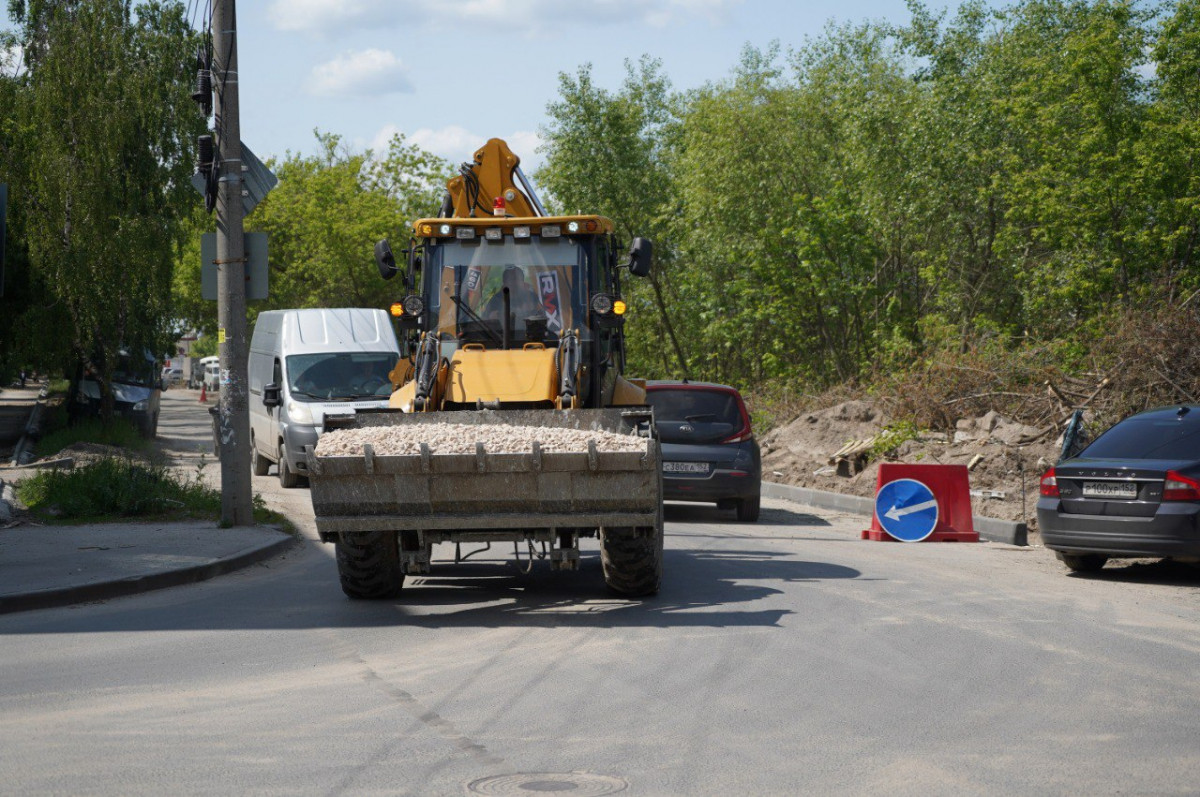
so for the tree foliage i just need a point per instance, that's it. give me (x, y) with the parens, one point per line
(1015, 177)
(322, 222)
(106, 124)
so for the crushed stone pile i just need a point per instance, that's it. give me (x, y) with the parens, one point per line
(457, 438)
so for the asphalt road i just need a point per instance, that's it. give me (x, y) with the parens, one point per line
(781, 657)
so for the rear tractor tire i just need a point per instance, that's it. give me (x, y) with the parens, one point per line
(632, 559)
(368, 564)
(1082, 563)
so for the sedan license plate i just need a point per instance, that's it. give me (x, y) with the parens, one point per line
(1109, 490)
(685, 467)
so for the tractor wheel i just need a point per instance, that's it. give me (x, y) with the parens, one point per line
(632, 559)
(368, 564)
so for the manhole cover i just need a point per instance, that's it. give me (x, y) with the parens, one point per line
(576, 784)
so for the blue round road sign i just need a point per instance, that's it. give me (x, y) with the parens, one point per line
(906, 509)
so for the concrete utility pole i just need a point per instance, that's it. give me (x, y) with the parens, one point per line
(232, 346)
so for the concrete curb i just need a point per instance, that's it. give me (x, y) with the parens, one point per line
(117, 588)
(1005, 531)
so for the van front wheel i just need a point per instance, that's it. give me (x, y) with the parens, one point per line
(258, 463)
(288, 478)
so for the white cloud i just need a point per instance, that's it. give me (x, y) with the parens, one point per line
(328, 16)
(366, 72)
(528, 16)
(457, 144)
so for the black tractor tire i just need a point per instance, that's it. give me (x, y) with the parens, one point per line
(1083, 563)
(288, 478)
(748, 508)
(258, 463)
(368, 564)
(632, 559)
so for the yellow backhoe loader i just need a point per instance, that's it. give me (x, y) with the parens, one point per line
(513, 325)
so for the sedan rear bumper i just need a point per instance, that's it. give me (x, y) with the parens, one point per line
(1173, 531)
(721, 485)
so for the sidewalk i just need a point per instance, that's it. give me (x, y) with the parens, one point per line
(46, 566)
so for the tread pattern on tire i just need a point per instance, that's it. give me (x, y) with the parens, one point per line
(369, 565)
(748, 509)
(632, 559)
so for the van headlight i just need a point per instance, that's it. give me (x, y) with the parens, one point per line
(142, 405)
(299, 413)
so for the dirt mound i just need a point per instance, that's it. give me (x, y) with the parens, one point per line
(1006, 458)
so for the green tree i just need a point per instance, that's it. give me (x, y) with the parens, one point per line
(110, 124)
(609, 153)
(322, 222)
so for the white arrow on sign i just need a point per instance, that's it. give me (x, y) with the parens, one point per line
(896, 512)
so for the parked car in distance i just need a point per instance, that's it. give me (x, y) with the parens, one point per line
(709, 453)
(171, 376)
(1133, 492)
(136, 388)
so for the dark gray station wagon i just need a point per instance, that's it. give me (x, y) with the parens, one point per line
(1134, 492)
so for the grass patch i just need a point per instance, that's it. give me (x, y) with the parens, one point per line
(118, 489)
(120, 433)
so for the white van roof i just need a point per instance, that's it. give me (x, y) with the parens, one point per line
(325, 329)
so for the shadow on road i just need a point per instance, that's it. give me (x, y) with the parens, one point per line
(737, 587)
(708, 513)
(1165, 572)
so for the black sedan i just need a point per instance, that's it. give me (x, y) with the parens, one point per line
(1134, 492)
(708, 448)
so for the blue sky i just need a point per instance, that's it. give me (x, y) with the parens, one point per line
(450, 75)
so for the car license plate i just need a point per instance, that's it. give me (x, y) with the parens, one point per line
(685, 467)
(1110, 490)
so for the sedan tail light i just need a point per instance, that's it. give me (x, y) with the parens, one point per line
(1178, 487)
(745, 433)
(1049, 484)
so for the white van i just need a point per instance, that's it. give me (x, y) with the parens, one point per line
(210, 373)
(306, 364)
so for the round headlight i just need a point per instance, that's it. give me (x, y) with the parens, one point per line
(444, 229)
(602, 304)
(413, 305)
(573, 226)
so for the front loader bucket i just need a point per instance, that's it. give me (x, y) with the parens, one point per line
(490, 494)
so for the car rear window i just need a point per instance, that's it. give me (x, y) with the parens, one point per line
(1149, 438)
(695, 405)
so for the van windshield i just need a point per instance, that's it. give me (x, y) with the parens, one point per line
(340, 376)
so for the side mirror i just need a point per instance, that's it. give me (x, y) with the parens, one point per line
(272, 395)
(641, 255)
(385, 260)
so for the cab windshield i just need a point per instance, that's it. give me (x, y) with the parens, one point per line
(340, 376)
(543, 278)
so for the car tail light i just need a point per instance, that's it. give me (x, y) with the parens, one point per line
(1049, 484)
(745, 433)
(1178, 487)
